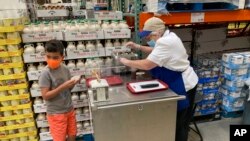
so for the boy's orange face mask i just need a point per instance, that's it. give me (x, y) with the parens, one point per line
(53, 64)
(54, 60)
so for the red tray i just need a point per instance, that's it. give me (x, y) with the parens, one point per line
(165, 87)
(112, 80)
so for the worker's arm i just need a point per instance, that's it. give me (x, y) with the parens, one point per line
(135, 46)
(144, 64)
(145, 49)
(49, 94)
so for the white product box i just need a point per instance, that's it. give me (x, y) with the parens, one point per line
(75, 36)
(79, 88)
(32, 58)
(226, 57)
(78, 54)
(80, 103)
(45, 136)
(108, 15)
(77, 71)
(41, 37)
(115, 34)
(42, 123)
(82, 117)
(33, 75)
(35, 92)
(238, 72)
(110, 50)
(237, 59)
(40, 108)
(79, 12)
(52, 13)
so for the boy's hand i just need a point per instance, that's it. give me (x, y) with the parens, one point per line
(68, 84)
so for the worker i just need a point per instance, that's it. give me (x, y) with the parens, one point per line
(167, 60)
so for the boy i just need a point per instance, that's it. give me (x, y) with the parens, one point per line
(55, 83)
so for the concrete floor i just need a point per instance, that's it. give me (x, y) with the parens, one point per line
(215, 130)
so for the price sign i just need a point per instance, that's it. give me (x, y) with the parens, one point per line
(197, 17)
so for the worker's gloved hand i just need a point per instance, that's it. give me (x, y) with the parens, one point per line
(132, 45)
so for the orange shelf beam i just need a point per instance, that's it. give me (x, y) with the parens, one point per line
(210, 17)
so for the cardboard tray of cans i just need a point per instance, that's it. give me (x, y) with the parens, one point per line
(41, 37)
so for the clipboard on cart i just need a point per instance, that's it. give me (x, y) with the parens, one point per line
(146, 86)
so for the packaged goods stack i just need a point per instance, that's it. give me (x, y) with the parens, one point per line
(235, 70)
(16, 115)
(208, 70)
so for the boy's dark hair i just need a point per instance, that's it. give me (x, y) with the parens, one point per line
(54, 46)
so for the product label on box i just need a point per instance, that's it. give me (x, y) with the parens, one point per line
(108, 15)
(119, 33)
(40, 108)
(227, 71)
(52, 13)
(37, 37)
(33, 75)
(31, 58)
(74, 36)
(237, 59)
(235, 94)
(110, 50)
(77, 71)
(79, 12)
(80, 103)
(78, 54)
(45, 136)
(35, 92)
(43, 123)
(85, 131)
(242, 71)
(82, 117)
